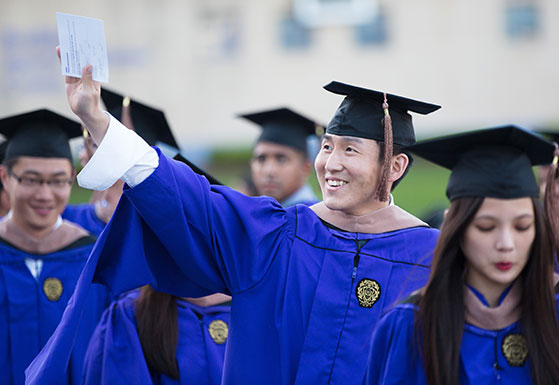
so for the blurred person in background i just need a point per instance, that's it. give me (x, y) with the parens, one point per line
(280, 163)
(4, 198)
(41, 255)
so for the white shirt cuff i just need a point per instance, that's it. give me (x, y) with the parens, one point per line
(122, 154)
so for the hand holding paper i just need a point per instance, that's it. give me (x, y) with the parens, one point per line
(82, 42)
(82, 90)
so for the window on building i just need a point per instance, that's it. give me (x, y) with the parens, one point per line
(522, 20)
(374, 32)
(293, 34)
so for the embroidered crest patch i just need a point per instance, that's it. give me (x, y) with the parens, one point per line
(367, 292)
(52, 287)
(515, 349)
(218, 331)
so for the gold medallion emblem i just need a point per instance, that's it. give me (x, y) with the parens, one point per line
(218, 331)
(53, 288)
(318, 130)
(367, 292)
(515, 349)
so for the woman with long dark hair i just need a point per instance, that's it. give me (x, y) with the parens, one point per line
(487, 314)
(147, 337)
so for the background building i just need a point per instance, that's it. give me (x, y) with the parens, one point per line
(205, 61)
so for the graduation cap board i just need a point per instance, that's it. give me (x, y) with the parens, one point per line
(150, 123)
(197, 169)
(285, 126)
(494, 162)
(549, 133)
(362, 114)
(40, 133)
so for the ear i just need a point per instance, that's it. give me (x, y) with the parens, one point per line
(399, 164)
(4, 175)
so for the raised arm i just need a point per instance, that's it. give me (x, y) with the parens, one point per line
(83, 97)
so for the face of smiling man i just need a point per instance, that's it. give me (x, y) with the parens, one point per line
(348, 170)
(39, 189)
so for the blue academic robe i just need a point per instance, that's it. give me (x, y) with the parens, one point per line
(483, 361)
(115, 354)
(28, 316)
(305, 296)
(84, 215)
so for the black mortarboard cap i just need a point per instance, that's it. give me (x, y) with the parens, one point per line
(494, 162)
(549, 133)
(361, 114)
(197, 169)
(149, 123)
(285, 126)
(40, 133)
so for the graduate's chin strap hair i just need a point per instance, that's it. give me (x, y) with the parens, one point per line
(551, 198)
(382, 194)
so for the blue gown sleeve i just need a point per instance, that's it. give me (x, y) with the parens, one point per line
(393, 356)
(115, 355)
(188, 231)
(84, 215)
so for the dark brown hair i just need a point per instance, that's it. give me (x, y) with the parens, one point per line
(439, 322)
(157, 320)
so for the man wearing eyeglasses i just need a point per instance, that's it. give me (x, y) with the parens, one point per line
(41, 255)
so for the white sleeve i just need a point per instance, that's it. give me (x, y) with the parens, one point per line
(122, 154)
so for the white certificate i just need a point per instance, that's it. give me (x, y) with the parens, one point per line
(82, 42)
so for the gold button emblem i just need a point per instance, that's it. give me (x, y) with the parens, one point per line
(218, 331)
(53, 288)
(367, 292)
(318, 130)
(515, 349)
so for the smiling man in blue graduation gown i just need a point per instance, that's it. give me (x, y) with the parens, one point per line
(41, 256)
(308, 283)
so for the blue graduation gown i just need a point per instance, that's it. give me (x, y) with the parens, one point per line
(305, 297)
(115, 354)
(28, 317)
(85, 216)
(482, 355)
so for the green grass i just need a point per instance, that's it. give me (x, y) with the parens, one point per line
(79, 195)
(422, 189)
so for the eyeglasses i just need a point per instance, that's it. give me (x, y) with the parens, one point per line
(33, 182)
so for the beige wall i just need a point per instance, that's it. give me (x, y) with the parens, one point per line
(452, 52)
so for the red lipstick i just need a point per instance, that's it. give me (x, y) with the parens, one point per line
(504, 266)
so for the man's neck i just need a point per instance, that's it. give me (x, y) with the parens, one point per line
(305, 194)
(37, 233)
(385, 219)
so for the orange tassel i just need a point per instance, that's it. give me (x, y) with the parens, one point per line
(382, 194)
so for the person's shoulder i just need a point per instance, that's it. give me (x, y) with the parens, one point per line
(76, 235)
(123, 306)
(403, 311)
(395, 324)
(73, 209)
